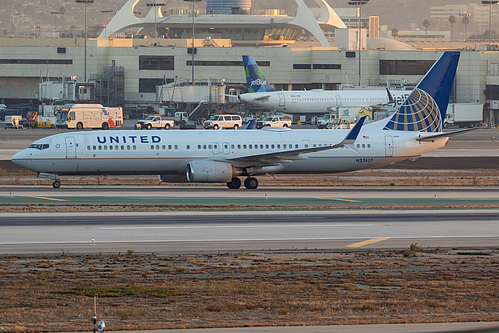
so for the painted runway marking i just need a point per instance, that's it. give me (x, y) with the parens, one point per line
(45, 198)
(367, 242)
(239, 226)
(334, 199)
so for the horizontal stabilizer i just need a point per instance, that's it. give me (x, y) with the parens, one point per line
(259, 98)
(443, 135)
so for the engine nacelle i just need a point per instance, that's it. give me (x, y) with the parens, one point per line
(201, 171)
(172, 178)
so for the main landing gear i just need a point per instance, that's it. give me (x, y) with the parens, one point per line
(234, 184)
(250, 183)
(56, 184)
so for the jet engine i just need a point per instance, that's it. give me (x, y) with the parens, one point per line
(201, 171)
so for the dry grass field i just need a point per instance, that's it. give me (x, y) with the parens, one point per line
(236, 289)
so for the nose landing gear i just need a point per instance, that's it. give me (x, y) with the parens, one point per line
(55, 177)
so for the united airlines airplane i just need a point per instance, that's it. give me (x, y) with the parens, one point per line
(224, 156)
(262, 94)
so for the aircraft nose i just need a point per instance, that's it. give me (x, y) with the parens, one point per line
(20, 158)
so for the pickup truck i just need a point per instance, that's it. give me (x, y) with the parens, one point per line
(154, 122)
(273, 122)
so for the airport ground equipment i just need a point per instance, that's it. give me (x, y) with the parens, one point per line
(156, 122)
(95, 116)
(273, 122)
(464, 115)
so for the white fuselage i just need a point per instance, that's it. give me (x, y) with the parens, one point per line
(320, 102)
(168, 152)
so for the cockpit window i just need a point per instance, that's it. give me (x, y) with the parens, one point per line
(39, 146)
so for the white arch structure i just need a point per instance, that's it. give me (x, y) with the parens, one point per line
(304, 19)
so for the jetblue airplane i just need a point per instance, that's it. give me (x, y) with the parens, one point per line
(316, 101)
(225, 156)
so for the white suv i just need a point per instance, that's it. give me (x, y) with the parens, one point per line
(224, 121)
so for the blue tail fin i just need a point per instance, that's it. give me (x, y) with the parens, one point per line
(254, 76)
(425, 109)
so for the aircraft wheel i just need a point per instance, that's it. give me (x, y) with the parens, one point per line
(56, 184)
(251, 183)
(234, 184)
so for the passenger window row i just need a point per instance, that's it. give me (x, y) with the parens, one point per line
(116, 147)
(204, 147)
(164, 147)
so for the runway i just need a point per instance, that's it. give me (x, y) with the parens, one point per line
(176, 232)
(221, 198)
(269, 192)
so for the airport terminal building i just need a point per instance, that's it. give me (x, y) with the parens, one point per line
(126, 71)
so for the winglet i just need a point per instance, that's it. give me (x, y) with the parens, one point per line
(391, 100)
(250, 124)
(354, 132)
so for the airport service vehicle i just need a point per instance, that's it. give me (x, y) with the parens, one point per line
(179, 117)
(325, 120)
(464, 115)
(12, 118)
(155, 122)
(80, 116)
(223, 121)
(340, 123)
(273, 122)
(225, 156)
(316, 101)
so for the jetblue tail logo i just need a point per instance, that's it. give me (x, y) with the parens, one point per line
(254, 76)
(424, 110)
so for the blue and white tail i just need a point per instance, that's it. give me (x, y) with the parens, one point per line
(425, 109)
(254, 76)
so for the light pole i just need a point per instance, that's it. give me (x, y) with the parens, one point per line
(107, 11)
(55, 13)
(155, 4)
(14, 23)
(193, 36)
(490, 3)
(85, 2)
(359, 4)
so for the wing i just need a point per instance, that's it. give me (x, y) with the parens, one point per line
(288, 156)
